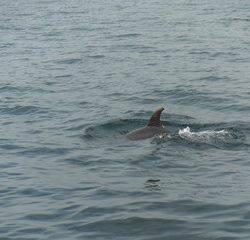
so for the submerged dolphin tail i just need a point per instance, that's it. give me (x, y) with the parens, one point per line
(155, 119)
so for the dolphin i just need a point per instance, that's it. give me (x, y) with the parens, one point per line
(154, 127)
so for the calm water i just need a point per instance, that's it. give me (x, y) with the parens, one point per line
(77, 75)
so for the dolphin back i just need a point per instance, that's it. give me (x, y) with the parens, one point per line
(145, 132)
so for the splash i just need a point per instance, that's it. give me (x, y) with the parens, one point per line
(211, 137)
(186, 132)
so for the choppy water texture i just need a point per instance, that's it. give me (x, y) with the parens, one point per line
(76, 76)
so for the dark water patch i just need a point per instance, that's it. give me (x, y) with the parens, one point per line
(8, 165)
(199, 52)
(5, 28)
(10, 147)
(25, 14)
(223, 54)
(11, 174)
(76, 128)
(70, 61)
(67, 194)
(6, 45)
(40, 151)
(31, 230)
(233, 107)
(63, 76)
(97, 56)
(7, 123)
(127, 35)
(74, 119)
(132, 226)
(92, 162)
(112, 128)
(246, 215)
(179, 93)
(190, 207)
(240, 19)
(187, 96)
(186, 223)
(34, 131)
(42, 90)
(212, 78)
(32, 192)
(82, 28)
(35, 120)
(213, 55)
(18, 238)
(86, 160)
(134, 47)
(83, 103)
(178, 119)
(53, 34)
(159, 160)
(44, 217)
(153, 184)
(103, 193)
(71, 207)
(8, 189)
(86, 185)
(23, 110)
(9, 88)
(115, 94)
(89, 28)
(144, 100)
(50, 83)
(92, 212)
(151, 64)
(69, 12)
(202, 100)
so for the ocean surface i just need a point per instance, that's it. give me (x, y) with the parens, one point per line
(76, 76)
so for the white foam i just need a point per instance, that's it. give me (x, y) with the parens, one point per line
(208, 136)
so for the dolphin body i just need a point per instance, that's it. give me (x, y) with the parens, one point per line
(154, 127)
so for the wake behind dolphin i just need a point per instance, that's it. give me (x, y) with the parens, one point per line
(153, 128)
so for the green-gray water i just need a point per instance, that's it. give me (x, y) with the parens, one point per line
(76, 76)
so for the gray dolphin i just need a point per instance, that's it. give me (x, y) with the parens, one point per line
(154, 127)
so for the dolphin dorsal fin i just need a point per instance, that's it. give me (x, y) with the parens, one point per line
(155, 119)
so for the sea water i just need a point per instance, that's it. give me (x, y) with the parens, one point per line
(76, 76)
